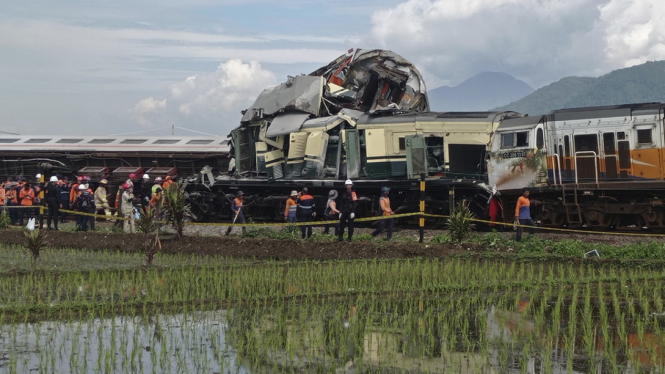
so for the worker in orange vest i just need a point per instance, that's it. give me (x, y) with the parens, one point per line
(27, 197)
(236, 213)
(12, 200)
(168, 182)
(384, 203)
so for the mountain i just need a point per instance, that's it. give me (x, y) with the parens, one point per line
(637, 84)
(482, 92)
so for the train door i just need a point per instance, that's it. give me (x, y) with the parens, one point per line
(610, 158)
(625, 164)
(586, 157)
(352, 153)
(646, 155)
(416, 156)
(568, 161)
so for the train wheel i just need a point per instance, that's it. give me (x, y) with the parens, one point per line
(597, 219)
(653, 220)
(549, 217)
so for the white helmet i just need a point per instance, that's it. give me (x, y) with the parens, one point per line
(38, 176)
(348, 182)
(146, 176)
(81, 187)
(53, 179)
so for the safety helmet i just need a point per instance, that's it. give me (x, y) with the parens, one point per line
(146, 176)
(79, 178)
(126, 186)
(348, 182)
(385, 189)
(53, 179)
(168, 178)
(240, 193)
(82, 187)
(132, 176)
(158, 179)
(332, 194)
(103, 181)
(38, 177)
(86, 178)
(294, 193)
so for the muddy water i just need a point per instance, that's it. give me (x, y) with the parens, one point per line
(349, 336)
(193, 343)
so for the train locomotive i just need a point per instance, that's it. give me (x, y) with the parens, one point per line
(596, 167)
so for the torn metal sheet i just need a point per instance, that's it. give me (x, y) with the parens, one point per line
(286, 123)
(330, 122)
(302, 93)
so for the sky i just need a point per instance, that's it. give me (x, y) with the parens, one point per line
(143, 67)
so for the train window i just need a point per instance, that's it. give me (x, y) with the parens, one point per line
(134, 141)
(608, 143)
(8, 140)
(199, 141)
(166, 141)
(621, 135)
(402, 144)
(69, 141)
(100, 141)
(507, 140)
(522, 139)
(37, 140)
(540, 139)
(566, 144)
(644, 136)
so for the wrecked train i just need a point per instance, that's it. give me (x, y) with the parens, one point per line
(364, 117)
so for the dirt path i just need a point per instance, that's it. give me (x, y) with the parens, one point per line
(242, 247)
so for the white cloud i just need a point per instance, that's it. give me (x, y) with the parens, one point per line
(536, 40)
(211, 101)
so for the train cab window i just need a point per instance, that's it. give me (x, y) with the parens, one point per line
(540, 139)
(608, 143)
(522, 139)
(644, 136)
(402, 144)
(434, 152)
(507, 140)
(621, 135)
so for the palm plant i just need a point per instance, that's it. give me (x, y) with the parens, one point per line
(460, 222)
(36, 241)
(176, 209)
(148, 224)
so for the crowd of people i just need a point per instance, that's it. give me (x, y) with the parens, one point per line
(20, 198)
(301, 207)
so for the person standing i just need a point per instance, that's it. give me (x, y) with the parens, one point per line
(291, 207)
(384, 203)
(307, 212)
(12, 201)
(158, 184)
(144, 193)
(331, 212)
(523, 214)
(168, 183)
(348, 212)
(27, 198)
(127, 208)
(101, 199)
(236, 212)
(52, 198)
(85, 203)
(65, 190)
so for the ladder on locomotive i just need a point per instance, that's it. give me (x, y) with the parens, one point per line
(570, 202)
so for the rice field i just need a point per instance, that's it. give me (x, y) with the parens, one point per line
(461, 314)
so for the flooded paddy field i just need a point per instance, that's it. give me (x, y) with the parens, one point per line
(87, 311)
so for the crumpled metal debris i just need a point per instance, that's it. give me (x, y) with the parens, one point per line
(363, 80)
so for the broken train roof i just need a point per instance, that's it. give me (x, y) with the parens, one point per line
(364, 80)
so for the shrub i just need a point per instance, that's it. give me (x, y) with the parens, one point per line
(147, 224)
(36, 241)
(176, 208)
(459, 222)
(5, 221)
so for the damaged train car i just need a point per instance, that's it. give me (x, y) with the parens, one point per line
(364, 117)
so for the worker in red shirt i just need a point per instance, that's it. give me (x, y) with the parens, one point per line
(523, 214)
